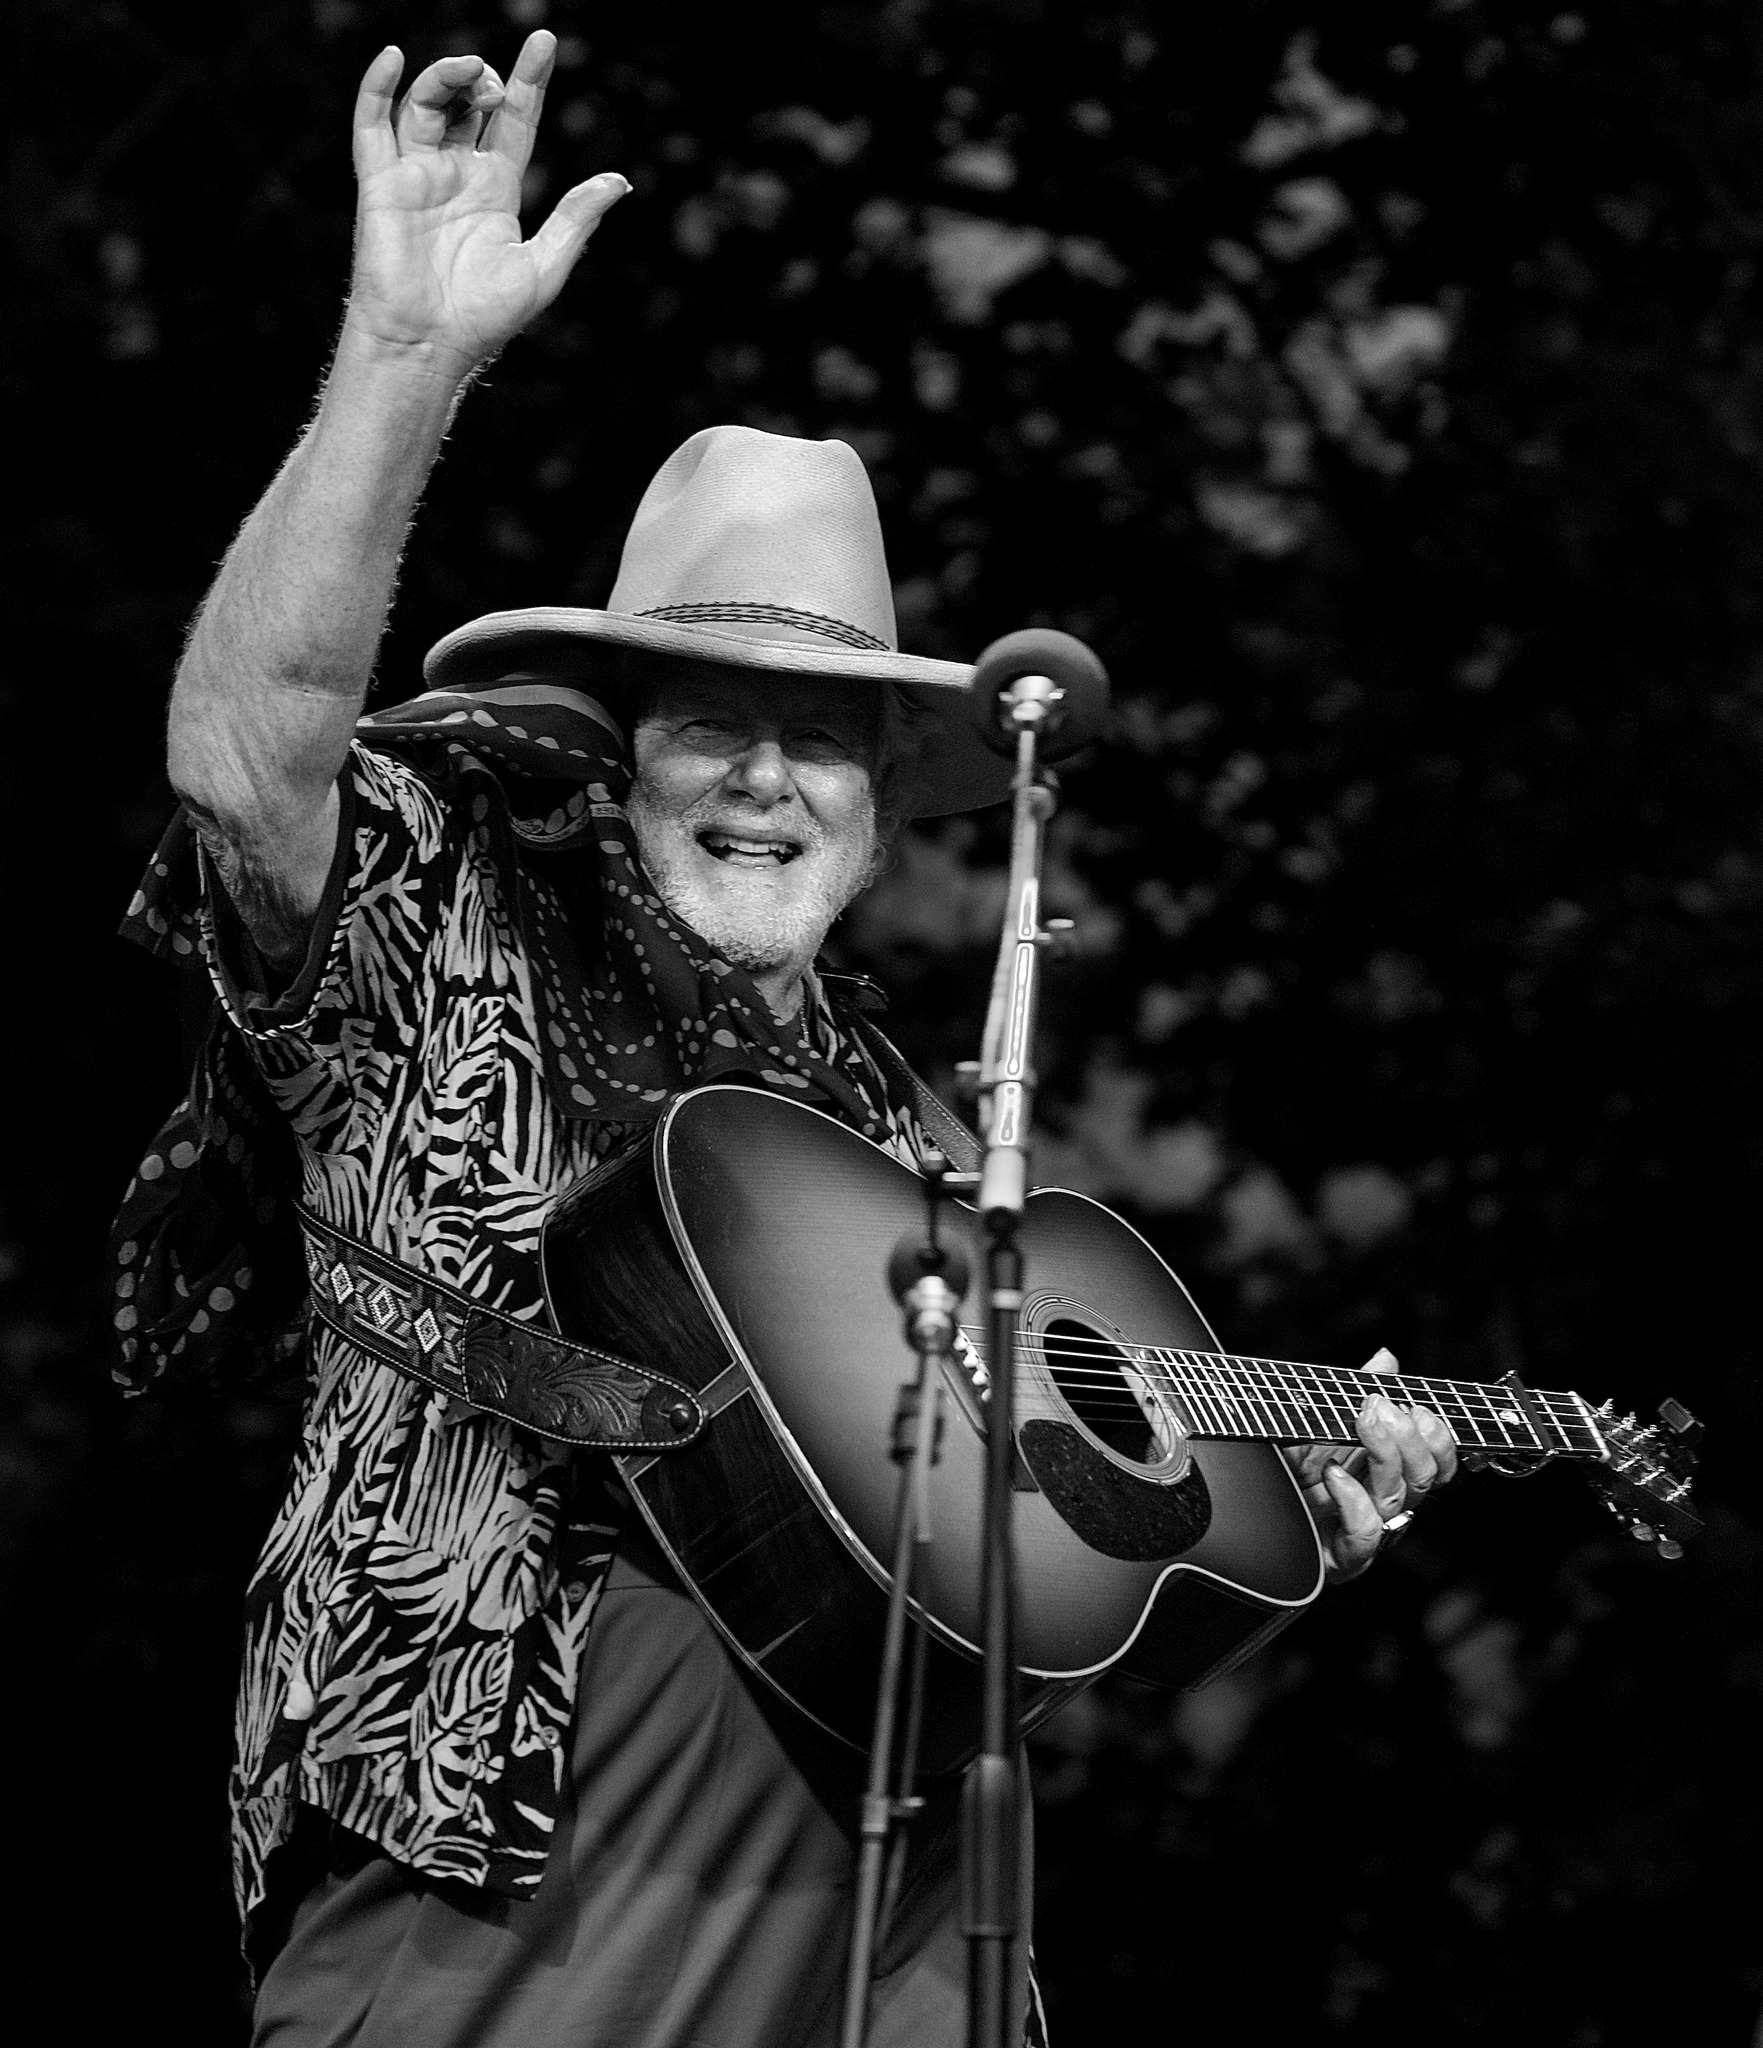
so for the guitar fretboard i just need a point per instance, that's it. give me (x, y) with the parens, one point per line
(1275, 1400)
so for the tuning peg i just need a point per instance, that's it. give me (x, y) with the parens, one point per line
(1643, 1532)
(1606, 1408)
(1681, 1423)
(1669, 1548)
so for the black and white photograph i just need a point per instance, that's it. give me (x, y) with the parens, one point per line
(885, 1132)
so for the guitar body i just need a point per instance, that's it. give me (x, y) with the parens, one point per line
(745, 1254)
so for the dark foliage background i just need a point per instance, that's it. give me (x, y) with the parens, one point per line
(1377, 389)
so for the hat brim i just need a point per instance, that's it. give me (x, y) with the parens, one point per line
(957, 771)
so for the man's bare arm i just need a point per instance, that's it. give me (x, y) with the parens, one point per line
(279, 658)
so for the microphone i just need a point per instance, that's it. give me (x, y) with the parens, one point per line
(1042, 678)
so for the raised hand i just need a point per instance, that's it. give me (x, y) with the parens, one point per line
(439, 260)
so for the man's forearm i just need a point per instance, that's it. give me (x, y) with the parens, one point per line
(279, 658)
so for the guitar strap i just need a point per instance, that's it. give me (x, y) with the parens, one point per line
(952, 1137)
(523, 1372)
(526, 1373)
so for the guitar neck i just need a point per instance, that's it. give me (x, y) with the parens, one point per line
(1273, 1400)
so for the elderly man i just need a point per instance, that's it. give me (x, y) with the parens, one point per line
(497, 1778)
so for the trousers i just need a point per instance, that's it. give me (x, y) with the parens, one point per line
(697, 1893)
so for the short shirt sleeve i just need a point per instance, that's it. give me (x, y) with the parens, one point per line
(375, 922)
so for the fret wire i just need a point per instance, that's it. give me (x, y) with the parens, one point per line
(1307, 1387)
(1286, 1403)
(1346, 1392)
(1205, 1417)
(1489, 1432)
(1589, 1423)
(1568, 1414)
(1299, 1399)
(1226, 1397)
(1496, 1436)
(1229, 1397)
(1240, 1394)
(1342, 1416)
(1446, 1396)
(1250, 1398)
(1208, 1408)
(1203, 1408)
(1531, 1437)
(1287, 1409)
(1551, 1421)
(1277, 1426)
(1320, 1377)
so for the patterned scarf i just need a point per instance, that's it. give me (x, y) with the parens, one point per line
(637, 1005)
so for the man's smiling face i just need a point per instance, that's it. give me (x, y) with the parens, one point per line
(753, 806)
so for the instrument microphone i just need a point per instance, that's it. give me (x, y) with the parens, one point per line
(1042, 678)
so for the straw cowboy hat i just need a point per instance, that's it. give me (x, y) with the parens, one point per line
(764, 552)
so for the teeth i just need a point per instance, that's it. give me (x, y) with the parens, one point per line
(776, 849)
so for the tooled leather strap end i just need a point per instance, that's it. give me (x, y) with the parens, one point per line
(431, 1332)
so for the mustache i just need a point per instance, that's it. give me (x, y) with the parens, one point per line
(716, 814)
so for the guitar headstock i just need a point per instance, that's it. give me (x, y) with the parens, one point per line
(1644, 1475)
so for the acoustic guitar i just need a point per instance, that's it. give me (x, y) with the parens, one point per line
(1159, 1532)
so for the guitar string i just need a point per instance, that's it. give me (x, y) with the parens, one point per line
(1282, 1389)
(1294, 1374)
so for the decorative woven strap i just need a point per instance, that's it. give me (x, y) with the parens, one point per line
(951, 1136)
(431, 1332)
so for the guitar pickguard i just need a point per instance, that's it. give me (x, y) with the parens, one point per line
(1136, 1520)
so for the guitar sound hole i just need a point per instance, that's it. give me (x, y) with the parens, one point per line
(1086, 1369)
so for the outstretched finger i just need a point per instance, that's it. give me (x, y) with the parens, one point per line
(375, 144)
(573, 219)
(447, 103)
(516, 123)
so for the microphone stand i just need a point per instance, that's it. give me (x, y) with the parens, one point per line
(990, 1803)
(929, 1279)
(1035, 694)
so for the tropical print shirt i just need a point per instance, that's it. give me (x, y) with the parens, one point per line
(415, 1625)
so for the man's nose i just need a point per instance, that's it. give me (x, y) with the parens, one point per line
(761, 771)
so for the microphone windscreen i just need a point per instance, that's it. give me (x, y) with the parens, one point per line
(1064, 661)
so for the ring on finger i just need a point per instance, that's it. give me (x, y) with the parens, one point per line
(1393, 1525)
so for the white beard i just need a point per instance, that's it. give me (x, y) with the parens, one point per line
(760, 919)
